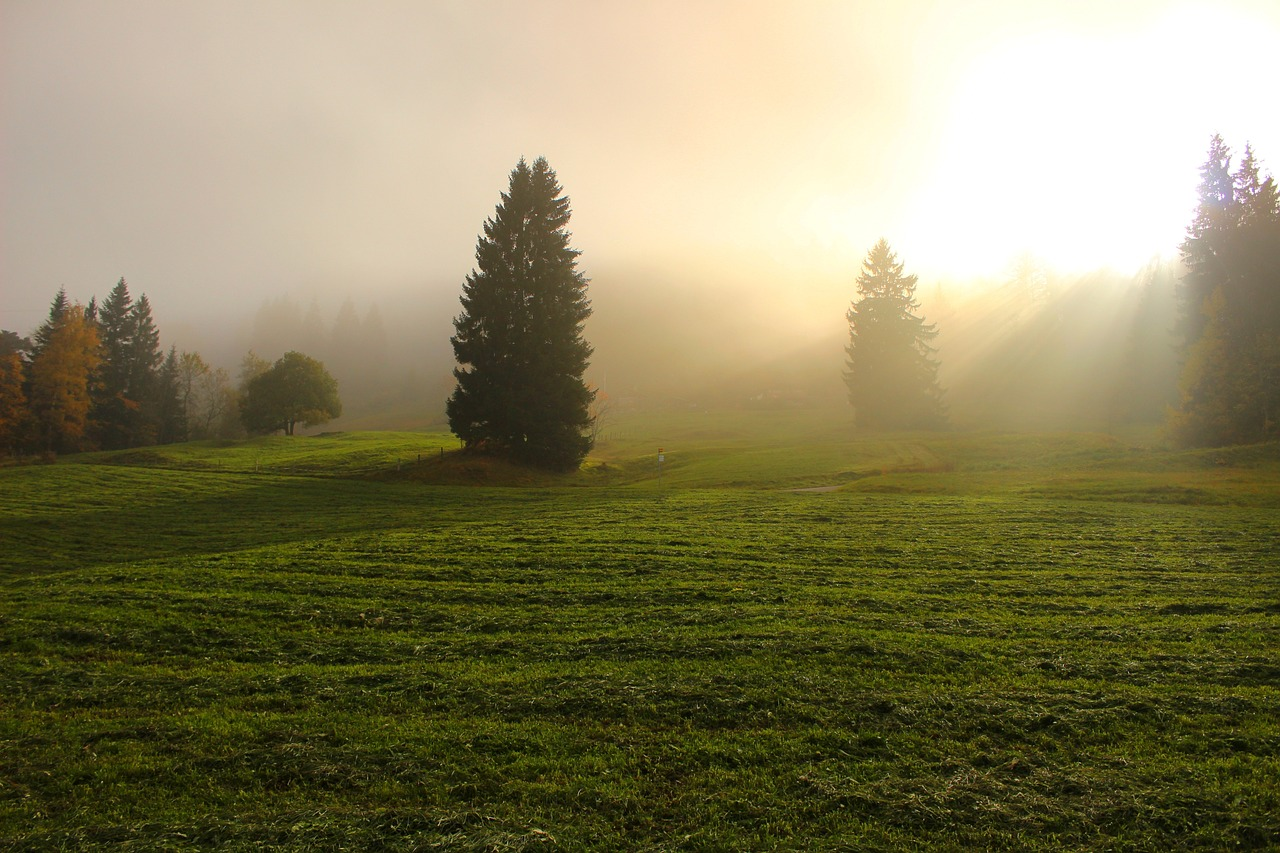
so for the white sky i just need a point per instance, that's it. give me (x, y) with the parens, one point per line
(218, 153)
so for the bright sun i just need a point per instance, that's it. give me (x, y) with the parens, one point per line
(1077, 149)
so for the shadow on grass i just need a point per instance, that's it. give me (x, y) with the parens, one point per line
(157, 514)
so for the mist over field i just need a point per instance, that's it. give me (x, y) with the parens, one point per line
(314, 176)
(1046, 351)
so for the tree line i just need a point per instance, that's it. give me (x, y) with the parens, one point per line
(522, 355)
(94, 377)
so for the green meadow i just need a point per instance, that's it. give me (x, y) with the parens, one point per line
(372, 641)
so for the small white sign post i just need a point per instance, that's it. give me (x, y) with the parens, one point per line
(662, 457)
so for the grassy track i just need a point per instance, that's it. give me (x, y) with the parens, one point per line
(978, 642)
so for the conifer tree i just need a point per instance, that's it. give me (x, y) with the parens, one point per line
(519, 343)
(891, 372)
(11, 343)
(40, 338)
(113, 406)
(115, 328)
(145, 386)
(1204, 247)
(144, 353)
(1231, 307)
(170, 411)
(125, 404)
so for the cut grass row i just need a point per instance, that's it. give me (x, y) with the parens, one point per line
(204, 658)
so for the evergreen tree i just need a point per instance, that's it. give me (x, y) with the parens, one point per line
(115, 328)
(144, 352)
(519, 344)
(40, 339)
(11, 343)
(1254, 195)
(112, 406)
(170, 413)
(891, 372)
(1231, 376)
(145, 360)
(125, 404)
(1203, 249)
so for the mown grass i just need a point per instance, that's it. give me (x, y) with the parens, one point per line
(199, 657)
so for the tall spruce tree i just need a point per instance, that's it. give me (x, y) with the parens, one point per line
(125, 411)
(145, 359)
(519, 342)
(40, 338)
(113, 406)
(1231, 307)
(891, 372)
(115, 328)
(169, 409)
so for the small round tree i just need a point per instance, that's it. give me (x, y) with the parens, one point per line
(296, 389)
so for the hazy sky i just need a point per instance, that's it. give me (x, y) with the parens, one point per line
(217, 153)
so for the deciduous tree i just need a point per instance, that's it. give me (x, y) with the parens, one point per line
(13, 400)
(519, 341)
(60, 376)
(296, 389)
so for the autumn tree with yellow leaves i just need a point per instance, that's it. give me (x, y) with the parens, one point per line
(60, 376)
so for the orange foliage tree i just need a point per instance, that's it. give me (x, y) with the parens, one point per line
(60, 379)
(13, 402)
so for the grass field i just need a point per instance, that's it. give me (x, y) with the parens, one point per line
(342, 642)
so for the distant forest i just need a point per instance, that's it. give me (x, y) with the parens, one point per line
(1191, 343)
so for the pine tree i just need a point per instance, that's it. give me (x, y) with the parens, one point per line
(519, 344)
(40, 338)
(115, 328)
(1254, 196)
(170, 412)
(112, 405)
(1231, 375)
(11, 343)
(144, 352)
(1204, 246)
(145, 360)
(125, 404)
(891, 372)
